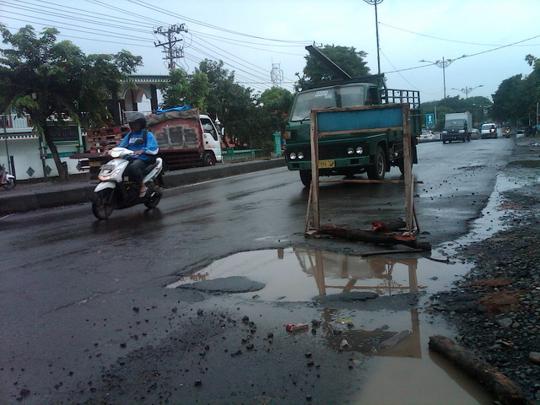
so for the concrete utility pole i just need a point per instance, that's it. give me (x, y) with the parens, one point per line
(4, 125)
(170, 49)
(444, 63)
(466, 90)
(374, 3)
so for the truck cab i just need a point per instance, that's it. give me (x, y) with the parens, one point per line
(346, 154)
(212, 141)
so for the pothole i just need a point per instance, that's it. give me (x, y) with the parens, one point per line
(300, 274)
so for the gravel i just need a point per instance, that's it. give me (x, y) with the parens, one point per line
(496, 306)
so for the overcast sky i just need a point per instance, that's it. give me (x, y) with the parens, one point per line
(468, 27)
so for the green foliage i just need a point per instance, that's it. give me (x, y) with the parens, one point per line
(184, 89)
(56, 80)
(348, 58)
(516, 97)
(276, 103)
(478, 106)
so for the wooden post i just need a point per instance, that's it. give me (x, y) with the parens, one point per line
(407, 166)
(314, 139)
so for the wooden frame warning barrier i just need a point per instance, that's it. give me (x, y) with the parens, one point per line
(360, 120)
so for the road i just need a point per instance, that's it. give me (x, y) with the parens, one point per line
(86, 317)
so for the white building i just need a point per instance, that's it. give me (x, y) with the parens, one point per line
(25, 154)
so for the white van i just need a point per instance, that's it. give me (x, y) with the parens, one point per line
(211, 137)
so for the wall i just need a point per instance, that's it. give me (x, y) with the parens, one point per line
(26, 154)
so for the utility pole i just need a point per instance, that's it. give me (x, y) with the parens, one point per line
(374, 3)
(4, 125)
(444, 63)
(276, 75)
(170, 49)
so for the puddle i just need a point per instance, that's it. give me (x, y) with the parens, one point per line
(303, 274)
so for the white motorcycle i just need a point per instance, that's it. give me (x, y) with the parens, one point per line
(116, 191)
(6, 180)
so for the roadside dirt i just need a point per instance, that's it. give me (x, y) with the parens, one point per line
(496, 306)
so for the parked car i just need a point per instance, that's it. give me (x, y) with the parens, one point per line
(488, 130)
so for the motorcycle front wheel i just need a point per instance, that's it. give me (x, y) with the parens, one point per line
(9, 185)
(102, 206)
(153, 200)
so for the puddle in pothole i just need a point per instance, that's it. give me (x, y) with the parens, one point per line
(300, 274)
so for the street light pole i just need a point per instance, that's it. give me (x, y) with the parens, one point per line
(374, 3)
(444, 63)
(466, 90)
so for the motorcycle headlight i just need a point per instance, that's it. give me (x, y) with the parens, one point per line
(292, 156)
(300, 155)
(359, 150)
(350, 151)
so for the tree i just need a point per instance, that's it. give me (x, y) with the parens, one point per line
(277, 102)
(184, 89)
(348, 58)
(517, 96)
(55, 81)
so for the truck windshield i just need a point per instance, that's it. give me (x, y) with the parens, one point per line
(348, 96)
(487, 126)
(455, 123)
(312, 99)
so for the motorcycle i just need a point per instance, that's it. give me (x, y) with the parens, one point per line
(116, 191)
(7, 180)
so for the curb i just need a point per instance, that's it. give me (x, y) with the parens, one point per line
(177, 178)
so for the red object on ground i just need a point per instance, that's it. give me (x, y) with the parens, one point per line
(296, 327)
(378, 226)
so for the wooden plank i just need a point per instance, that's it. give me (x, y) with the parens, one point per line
(407, 165)
(315, 171)
(308, 210)
(358, 131)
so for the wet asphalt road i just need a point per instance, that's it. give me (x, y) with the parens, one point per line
(85, 316)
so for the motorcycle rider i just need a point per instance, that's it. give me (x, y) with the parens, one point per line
(144, 145)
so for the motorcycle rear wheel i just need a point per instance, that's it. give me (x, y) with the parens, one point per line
(154, 199)
(102, 206)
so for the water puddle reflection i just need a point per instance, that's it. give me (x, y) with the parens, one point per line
(303, 274)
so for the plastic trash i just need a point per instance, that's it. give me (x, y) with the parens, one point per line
(296, 327)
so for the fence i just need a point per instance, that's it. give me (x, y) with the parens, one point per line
(233, 155)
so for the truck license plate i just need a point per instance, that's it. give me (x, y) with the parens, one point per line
(327, 164)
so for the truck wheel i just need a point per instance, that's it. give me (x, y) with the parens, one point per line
(378, 170)
(209, 159)
(305, 177)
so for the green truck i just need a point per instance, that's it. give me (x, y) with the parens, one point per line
(348, 154)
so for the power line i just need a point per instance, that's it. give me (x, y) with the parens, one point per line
(457, 41)
(94, 39)
(212, 26)
(109, 34)
(399, 73)
(81, 12)
(257, 76)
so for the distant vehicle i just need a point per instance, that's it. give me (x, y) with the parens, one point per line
(457, 127)
(489, 130)
(475, 133)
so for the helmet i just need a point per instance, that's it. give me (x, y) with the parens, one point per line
(136, 116)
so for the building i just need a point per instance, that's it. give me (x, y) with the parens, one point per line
(24, 152)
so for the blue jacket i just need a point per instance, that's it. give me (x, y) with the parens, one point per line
(151, 148)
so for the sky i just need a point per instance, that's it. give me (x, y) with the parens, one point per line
(251, 35)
